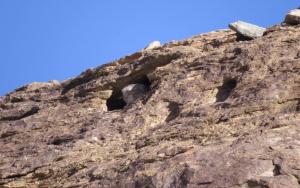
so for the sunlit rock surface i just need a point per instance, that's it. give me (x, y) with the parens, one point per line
(219, 112)
(248, 30)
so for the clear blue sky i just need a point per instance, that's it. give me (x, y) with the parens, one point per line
(42, 40)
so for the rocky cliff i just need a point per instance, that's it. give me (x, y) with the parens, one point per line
(220, 111)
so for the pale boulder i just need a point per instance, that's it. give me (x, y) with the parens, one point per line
(133, 92)
(293, 17)
(247, 30)
(152, 45)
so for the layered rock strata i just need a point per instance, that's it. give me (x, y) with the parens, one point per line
(219, 111)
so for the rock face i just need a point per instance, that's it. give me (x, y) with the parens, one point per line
(293, 17)
(247, 30)
(219, 113)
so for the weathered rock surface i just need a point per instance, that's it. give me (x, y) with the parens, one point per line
(247, 30)
(293, 17)
(220, 112)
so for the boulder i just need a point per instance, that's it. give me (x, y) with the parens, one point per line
(247, 30)
(152, 45)
(54, 82)
(133, 92)
(293, 17)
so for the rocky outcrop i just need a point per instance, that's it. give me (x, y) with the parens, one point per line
(219, 112)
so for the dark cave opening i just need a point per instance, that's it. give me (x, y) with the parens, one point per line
(115, 101)
(226, 89)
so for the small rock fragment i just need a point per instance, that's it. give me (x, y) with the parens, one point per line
(133, 92)
(54, 82)
(94, 140)
(152, 45)
(247, 29)
(293, 17)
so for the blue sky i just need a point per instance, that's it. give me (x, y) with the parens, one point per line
(42, 40)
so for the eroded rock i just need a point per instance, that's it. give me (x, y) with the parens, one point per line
(216, 113)
(247, 30)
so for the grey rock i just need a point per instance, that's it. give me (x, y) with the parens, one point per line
(247, 30)
(54, 82)
(152, 45)
(293, 17)
(133, 92)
